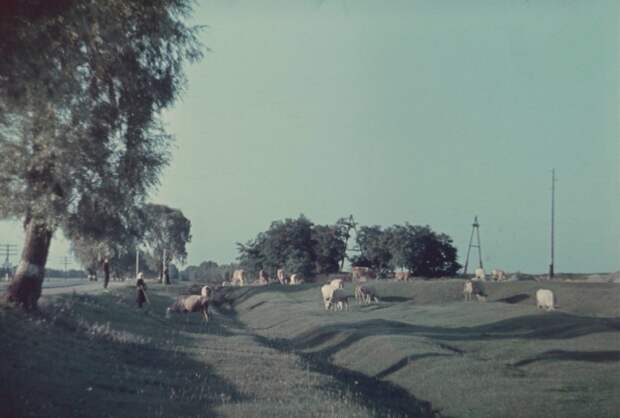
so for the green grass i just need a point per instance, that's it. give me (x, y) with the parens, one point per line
(274, 352)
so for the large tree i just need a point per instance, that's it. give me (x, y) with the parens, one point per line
(167, 231)
(82, 85)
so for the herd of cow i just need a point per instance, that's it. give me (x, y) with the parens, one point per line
(336, 298)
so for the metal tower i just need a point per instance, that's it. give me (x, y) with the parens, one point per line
(476, 229)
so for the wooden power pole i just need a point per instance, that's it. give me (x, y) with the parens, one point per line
(551, 265)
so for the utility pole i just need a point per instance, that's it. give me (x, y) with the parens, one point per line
(551, 266)
(475, 229)
(163, 267)
(137, 261)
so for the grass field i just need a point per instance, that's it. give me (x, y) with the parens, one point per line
(274, 351)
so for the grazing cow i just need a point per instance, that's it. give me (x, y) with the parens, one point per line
(545, 299)
(296, 279)
(362, 273)
(326, 292)
(192, 303)
(337, 283)
(339, 300)
(402, 275)
(479, 274)
(498, 275)
(365, 294)
(238, 278)
(468, 290)
(281, 274)
(206, 291)
(328, 289)
(263, 277)
(480, 297)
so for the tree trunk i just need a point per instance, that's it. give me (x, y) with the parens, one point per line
(25, 288)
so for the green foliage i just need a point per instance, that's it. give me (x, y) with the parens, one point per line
(296, 245)
(82, 86)
(416, 248)
(165, 229)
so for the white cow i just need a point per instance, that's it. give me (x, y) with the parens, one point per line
(327, 291)
(498, 275)
(468, 290)
(296, 279)
(479, 274)
(281, 275)
(238, 278)
(545, 299)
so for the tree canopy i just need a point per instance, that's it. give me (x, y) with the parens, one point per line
(82, 85)
(415, 248)
(166, 229)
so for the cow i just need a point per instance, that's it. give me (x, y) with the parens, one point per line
(479, 274)
(498, 275)
(362, 273)
(365, 294)
(326, 293)
(402, 275)
(263, 277)
(328, 289)
(545, 299)
(296, 279)
(206, 291)
(468, 290)
(339, 300)
(238, 278)
(281, 275)
(192, 303)
(337, 283)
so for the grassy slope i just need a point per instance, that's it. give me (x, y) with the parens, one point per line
(277, 353)
(469, 359)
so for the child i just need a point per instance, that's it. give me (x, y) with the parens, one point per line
(140, 290)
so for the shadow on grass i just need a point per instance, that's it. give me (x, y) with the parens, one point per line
(514, 299)
(562, 355)
(405, 362)
(395, 299)
(385, 398)
(545, 326)
(50, 368)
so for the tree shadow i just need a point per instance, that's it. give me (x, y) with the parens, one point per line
(514, 299)
(405, 361)
(102, 373)
(544, 326)
(382, 397)
(563, 355)
(395, 299)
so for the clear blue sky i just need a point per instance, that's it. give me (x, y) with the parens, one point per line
(422, 111)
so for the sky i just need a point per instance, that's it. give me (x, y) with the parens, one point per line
(427, 112)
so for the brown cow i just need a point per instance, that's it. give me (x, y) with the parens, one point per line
(192, 303)
(402, 275)
(362, 273)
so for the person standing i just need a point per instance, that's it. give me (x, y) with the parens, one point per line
(106, 273)
(140, 290)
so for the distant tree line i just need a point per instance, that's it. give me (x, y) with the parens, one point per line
(300, 246)
(208, 271)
